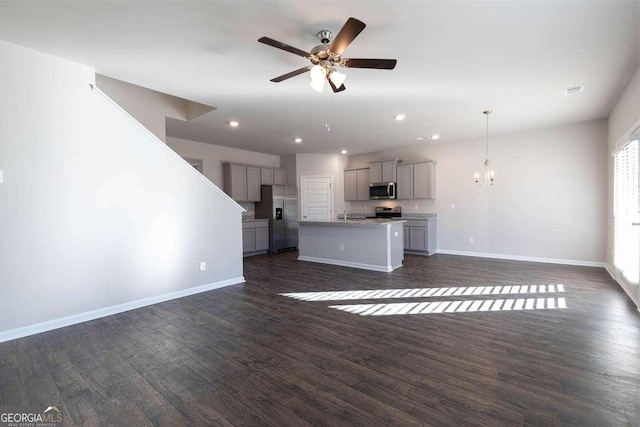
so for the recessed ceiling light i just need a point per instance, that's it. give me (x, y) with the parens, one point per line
(401, 117)
(434, 137)
(344, 151)
(420, 138)
(234, 124)
(573, 90)
(298, 140)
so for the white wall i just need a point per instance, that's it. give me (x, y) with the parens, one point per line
(549, 200)
(624, 118)
(95, 212)
(214, 155)
(149, 107)
(324, 165)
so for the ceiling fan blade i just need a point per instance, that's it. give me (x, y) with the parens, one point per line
(333, 86)
(291, 74)
(380, 64)
(283, 46)
(349, 31)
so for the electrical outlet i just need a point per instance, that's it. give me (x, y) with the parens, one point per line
(453, 206)
(416, 207)
(203, 266)
(341, 247)
(395, 234)
(1, 177)
(471, 240)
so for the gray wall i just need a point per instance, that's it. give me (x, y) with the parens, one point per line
(549, 199)
(95, 211)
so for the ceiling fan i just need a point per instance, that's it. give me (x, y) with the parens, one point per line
(325, 57)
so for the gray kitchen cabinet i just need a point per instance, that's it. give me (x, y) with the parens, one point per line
(262, 239)
(420, 236)
(235, 181)
(407, 246)
(416, 181)
(248, 240)
(253, 184)
(255, 237)
(266, 176)
(242, 182)
(404, 185)
(356, 184)
(350, 185)
(424, 181)
(279, 177)
(362, 180)
(375, 172)
(382, 171)
(389, 171)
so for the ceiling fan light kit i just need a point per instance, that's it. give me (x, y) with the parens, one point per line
(324, 57)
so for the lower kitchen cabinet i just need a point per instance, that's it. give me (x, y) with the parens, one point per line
(420, 237)
(255, 237)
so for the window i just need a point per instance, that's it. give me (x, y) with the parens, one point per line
(626, 236)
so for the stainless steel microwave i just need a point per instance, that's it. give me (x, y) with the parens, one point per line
(382, 190)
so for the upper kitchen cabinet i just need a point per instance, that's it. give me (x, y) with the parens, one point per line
(266, 176)
(356, 184)
(382, 171)
(253, 184)
(279, 176)
(242, 182)
(416, 181)
(270, 176)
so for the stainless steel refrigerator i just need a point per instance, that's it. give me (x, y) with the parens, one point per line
(279, 204)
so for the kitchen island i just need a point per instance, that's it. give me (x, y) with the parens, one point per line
(361, 243)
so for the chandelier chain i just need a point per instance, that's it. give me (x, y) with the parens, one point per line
(486, 113)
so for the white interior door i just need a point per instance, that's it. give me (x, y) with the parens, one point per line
(316, 196)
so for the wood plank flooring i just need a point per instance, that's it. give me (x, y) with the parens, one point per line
(246, 355)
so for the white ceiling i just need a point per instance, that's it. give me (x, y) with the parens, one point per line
(455, 59)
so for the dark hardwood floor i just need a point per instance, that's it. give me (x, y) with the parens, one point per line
(245, 355)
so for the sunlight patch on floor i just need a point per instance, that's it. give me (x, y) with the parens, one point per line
(465, 306)
(425, 292)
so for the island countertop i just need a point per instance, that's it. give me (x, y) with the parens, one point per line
(356, 222)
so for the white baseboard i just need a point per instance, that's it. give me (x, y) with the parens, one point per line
(359, 265)
(524, 258)
(109, 311)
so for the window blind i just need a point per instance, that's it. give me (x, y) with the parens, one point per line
(626, 237)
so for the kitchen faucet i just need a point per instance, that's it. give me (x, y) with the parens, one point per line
(345, 214)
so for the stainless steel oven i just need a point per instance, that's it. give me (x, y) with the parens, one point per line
(382, 190)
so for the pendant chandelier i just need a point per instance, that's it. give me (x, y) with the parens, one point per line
(489, 174)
